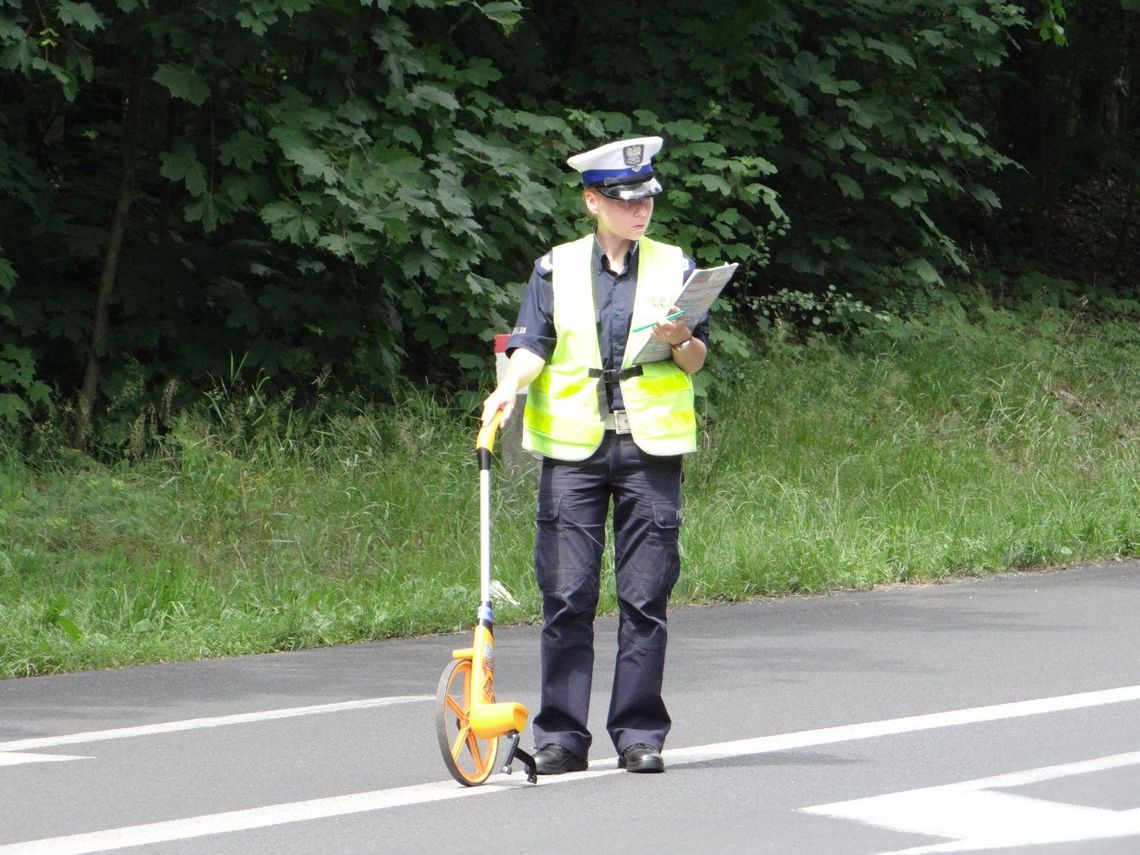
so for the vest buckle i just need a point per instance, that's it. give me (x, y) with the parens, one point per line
(612, 375)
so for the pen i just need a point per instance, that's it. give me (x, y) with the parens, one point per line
(671, 317)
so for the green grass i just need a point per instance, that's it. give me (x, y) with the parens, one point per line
(925, 451)
(960, 445)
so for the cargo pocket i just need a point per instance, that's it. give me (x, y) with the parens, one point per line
(548, 508)
(564, 562)
(654, 570)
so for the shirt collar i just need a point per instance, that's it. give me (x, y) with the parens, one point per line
(601, 262)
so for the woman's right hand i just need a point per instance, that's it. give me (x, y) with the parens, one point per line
(522, 368)
(503, 398)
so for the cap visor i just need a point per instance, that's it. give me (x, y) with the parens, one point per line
(626, 192)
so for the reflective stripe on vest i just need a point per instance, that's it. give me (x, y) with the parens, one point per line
(562, 419)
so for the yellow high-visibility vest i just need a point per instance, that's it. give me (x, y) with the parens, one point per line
(562, 418)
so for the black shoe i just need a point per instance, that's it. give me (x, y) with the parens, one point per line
(641, 758)
(555, 760)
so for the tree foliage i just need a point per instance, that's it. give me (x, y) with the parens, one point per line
(853, 110)
(351, 191)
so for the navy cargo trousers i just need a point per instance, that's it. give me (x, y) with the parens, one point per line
(573, 502)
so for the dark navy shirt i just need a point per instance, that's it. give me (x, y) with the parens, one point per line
(613, 301)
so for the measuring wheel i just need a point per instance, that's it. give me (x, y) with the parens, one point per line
(469, 759)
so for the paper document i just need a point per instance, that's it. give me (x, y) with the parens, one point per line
(700, 290)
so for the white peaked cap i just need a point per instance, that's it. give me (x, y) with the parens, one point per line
(622, 169)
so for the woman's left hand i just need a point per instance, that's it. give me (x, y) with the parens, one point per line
(688, 352)
(672, 332)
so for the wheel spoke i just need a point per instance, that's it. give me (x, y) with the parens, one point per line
(460, 739)
(473, 747)
(454, 706)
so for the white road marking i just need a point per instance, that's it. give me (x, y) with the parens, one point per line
(281, 814)
(908, 724)
(975, 816)
(200, 723)
(243, 820)
(11, 758)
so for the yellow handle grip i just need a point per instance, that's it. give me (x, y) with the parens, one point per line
(487, 432)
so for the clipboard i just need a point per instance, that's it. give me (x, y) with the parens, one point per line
(696, 297)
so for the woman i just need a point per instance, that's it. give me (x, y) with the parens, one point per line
(607, 430)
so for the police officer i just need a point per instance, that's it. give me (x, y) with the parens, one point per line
(608, 431)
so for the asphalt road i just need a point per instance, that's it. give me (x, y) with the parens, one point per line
(986, 713)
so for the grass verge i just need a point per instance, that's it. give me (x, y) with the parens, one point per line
(960, 444)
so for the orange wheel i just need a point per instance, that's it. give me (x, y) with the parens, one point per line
(470, 760)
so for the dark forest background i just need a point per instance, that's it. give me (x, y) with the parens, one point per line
(341, 198)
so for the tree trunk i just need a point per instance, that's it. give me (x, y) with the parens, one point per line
(100, 324)
(165, 193)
